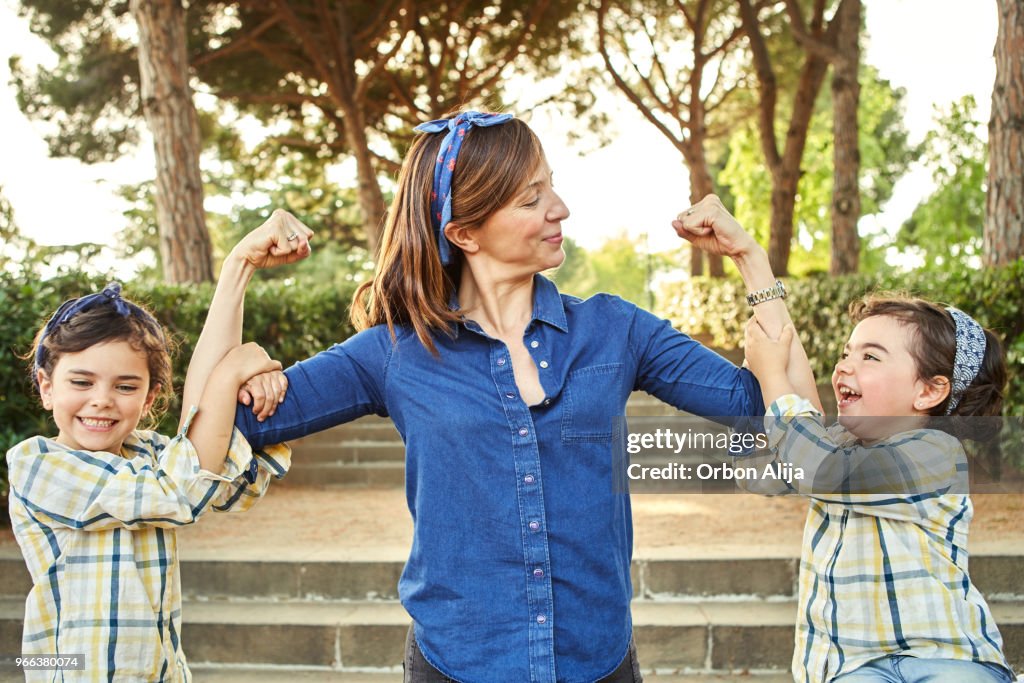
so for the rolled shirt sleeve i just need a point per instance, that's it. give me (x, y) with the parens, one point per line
(894, 477)
(155, 481)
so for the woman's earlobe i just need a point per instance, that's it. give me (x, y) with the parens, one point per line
(461, 237)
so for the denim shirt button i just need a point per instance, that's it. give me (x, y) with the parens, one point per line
(547, 401)
(523, 431)
(538, 573)
(534, 344)
(541, 619)
(501, 361)
(543, 363)
(509, 394)
(529, 479)
(534, 526)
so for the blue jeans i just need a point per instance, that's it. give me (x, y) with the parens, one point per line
(904, 669)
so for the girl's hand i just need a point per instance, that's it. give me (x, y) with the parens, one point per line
(264, 393)
(767, 358)
(281, 239)
(708, 226)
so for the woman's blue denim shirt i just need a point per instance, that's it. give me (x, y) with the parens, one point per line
(519, 568)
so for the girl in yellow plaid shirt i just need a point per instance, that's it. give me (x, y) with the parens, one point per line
(884, 590)
(95, 508)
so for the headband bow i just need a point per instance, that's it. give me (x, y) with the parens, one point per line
(970, 352)
(441, 196)
(110, 296)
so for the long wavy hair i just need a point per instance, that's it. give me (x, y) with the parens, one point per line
(410, 286)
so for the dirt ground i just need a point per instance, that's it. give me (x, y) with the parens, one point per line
(370, 520)
(376, 521)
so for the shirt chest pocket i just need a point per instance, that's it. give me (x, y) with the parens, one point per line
(592, 398)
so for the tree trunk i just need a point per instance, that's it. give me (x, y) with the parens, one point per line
(781, 236)
(846, 153)
(701, 185)
(784, 167)
(786, 174)
(371, 199)
(171, 116)
(1004, 224)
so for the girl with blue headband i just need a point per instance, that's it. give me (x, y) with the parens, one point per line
(95, 508)
(884, 592)
(505, 391)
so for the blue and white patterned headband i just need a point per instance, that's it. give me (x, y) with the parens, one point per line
(441, 197)
(970, 352)
(110, 296)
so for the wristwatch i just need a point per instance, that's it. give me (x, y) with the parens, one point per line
(776, 291)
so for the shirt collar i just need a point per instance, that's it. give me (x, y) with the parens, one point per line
(547, 304)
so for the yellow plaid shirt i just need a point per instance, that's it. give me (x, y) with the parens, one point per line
(882, 574)
(97, 531)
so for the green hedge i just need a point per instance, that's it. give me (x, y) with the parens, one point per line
(295, 321)
(994, 297)
(290, 321)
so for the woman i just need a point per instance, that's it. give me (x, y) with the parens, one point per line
(504, 392)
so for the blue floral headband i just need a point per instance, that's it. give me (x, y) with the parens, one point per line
(970, 352)
(110, 296)
(441, 197)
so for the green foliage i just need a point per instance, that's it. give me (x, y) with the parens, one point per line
(291, 321)
(267, 62)
(818, 304)
(946, 228)
(620, 265)
(885, 156)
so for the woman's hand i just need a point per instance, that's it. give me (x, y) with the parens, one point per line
(281, 239)
(254, 372)
(708, 226)
(264, 393)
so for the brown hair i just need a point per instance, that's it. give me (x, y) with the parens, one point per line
(934, 350)
(103, 324)
(410, 285)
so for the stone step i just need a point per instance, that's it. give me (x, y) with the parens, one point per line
(344, 474)
(349, 451)
(661, 576)
(355, 636)
(358, 636)
(208, 673)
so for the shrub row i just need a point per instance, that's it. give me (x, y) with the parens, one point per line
(295, 321)
(290, 321)
(718, 310)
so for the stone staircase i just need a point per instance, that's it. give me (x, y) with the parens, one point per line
(695, 618)
(709, 616)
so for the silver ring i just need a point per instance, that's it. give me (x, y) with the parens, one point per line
(292, 237)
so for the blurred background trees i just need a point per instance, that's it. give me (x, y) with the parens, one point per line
(310, 104)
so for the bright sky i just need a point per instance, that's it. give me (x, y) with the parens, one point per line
(939, 50)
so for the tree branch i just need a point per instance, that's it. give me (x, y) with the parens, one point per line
(602, 39)
(822, 49)
(766, 84)
(236, 45)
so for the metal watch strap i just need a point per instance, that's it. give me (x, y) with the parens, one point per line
(776, 291)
